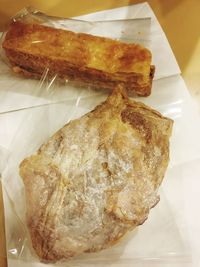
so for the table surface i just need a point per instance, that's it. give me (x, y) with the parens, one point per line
(180, 21)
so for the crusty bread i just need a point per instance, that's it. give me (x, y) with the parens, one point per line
(97, 61)
(96, 178)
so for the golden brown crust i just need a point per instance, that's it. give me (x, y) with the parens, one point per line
(98, 61)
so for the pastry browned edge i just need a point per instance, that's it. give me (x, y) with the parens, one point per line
(96, 178)
(87, 59)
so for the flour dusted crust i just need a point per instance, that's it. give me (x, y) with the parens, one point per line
(96, 61)
(96, 178)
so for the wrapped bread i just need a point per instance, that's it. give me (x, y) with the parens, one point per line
(96, 178)
(100, 62)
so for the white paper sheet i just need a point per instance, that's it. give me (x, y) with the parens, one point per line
(169, 95)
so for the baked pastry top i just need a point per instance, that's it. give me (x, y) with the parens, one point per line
(97, 61)
(96, 178)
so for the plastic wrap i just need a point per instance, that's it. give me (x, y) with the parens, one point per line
(45, 106)
(17, 92)
(47, 88)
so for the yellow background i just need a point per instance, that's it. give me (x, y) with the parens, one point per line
(180, 20)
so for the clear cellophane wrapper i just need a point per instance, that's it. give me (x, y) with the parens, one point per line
(33, 110)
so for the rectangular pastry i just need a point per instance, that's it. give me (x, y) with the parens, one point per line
(96, 61)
